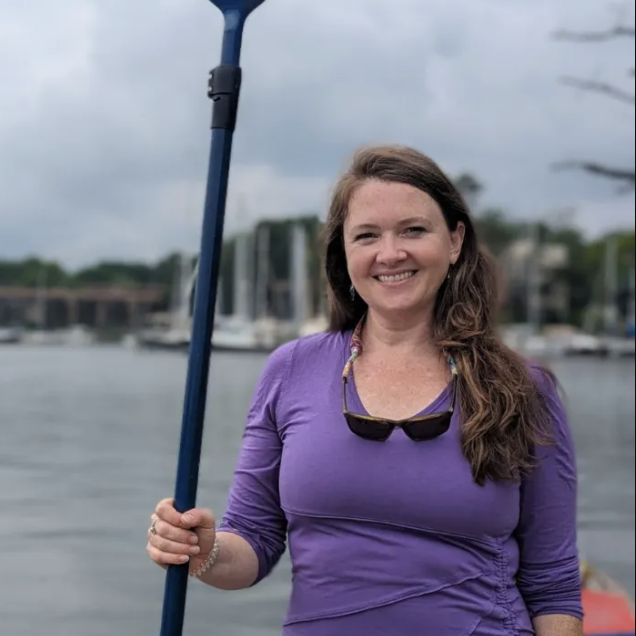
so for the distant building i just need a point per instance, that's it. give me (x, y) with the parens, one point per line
(100, 307)
(534, 275)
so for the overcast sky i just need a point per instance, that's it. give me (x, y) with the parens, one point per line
(104, 119)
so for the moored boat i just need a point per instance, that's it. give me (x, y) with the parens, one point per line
(10, 335)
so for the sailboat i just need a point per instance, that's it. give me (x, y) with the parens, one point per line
(177, 336)
(10, 335)
(306, 322)
(610, 343)
(239, 333)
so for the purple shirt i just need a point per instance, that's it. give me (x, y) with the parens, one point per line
(395, 537)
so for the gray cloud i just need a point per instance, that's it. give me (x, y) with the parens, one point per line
(104, 131)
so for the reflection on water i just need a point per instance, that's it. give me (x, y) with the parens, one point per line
(89, 444)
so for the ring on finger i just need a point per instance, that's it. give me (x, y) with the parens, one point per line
(152, 529)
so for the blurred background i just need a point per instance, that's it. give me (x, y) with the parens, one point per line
(104, 140)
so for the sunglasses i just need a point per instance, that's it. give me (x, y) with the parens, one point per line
(418, 429)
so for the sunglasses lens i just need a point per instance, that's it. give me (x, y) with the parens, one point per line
(376, 431)
(423, 430)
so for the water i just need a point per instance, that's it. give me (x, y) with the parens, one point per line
(88, 445)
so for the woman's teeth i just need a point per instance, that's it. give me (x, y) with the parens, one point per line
(397, 278)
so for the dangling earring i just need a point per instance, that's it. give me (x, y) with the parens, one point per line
(352, 293)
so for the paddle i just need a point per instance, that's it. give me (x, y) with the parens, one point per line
(224, 88)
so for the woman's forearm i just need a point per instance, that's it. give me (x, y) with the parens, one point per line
(236, 567)
(558, 625)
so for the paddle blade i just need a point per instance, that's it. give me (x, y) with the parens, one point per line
(606, 614)
(245, 7)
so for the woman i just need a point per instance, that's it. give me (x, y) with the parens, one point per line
(422, 473)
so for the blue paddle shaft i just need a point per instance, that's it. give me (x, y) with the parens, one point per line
(224, 88)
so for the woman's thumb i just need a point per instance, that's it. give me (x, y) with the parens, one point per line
(198, 518)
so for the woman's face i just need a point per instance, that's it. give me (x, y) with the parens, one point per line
(398, 247)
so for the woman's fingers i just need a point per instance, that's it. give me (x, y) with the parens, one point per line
(167, 531)
(172, 547)
(165, 558)
(201, 518)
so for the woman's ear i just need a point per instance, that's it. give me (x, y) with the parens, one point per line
(457, 241)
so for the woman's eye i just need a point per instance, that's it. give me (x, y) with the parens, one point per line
(364, 236)
(415, 230)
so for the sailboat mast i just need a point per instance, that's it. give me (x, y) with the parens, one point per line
(534, 279)
(262, 272)
(241, 277)
(611, 286)
(299, 274)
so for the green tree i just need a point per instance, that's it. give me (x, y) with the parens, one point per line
(33, 272)
(470, 188)
(115, 273)
(496, 231)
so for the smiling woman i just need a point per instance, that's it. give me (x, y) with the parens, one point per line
(422, 473)
(398, 247)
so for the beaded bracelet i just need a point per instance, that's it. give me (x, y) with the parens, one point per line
(209, 562)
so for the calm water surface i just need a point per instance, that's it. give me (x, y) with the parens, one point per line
(89, 439)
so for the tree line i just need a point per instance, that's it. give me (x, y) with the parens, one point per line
(583, 274)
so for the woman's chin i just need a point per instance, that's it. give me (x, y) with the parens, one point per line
(399, 308)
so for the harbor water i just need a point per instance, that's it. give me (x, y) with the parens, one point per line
(89, 441)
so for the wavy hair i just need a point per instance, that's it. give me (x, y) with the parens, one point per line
(504, 414)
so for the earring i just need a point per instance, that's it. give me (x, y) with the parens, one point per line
(352, 293)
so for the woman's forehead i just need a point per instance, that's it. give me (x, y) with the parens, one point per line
(380, 203)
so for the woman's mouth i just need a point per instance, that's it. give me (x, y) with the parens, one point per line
(396, 278)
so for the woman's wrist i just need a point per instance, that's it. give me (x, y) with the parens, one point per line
(209, 562)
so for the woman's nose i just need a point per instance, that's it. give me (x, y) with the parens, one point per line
(390, 252)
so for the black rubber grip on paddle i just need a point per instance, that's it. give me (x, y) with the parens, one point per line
(224, 87)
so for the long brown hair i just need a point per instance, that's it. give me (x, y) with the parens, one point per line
(501, 405)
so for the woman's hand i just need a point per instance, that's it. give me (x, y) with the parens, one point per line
(175, 538)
